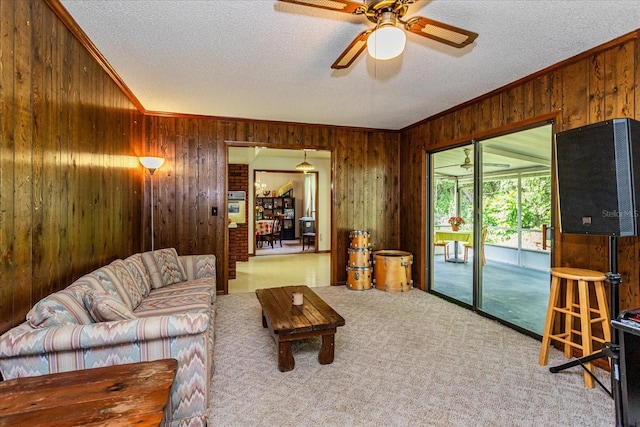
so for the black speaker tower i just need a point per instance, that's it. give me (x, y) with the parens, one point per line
(598, 169)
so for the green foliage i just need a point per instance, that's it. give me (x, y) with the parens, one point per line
(444, 201)
(500, 205)
(536, 203)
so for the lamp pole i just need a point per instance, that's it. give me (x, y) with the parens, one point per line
(152, 163)
(151, 171)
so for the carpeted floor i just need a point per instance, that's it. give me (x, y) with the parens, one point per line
(408, 359)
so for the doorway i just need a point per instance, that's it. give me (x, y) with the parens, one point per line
(499, 188)
(257, 164)
(289, 200)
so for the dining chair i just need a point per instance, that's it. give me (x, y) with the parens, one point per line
(445, 245)
(468, 246)
(276, 232)
(262, 238)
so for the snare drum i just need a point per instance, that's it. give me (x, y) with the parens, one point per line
(359, 257)
(392, 270)
(359, 239)
(359, 278)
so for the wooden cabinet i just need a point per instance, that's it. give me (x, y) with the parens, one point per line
(284, 207)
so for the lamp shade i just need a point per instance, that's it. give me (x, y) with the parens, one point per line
(386, 42)
(152, 162)
(305, 166)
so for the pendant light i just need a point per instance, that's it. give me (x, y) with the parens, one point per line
(304, 166)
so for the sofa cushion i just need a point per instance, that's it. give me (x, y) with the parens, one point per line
(105, 308)
(139, 272)
(196, 286)
(129, 283)
(65, 307)
(185, 297)
(164, 267)
(108, 276)
(199, 266)
(93, 282)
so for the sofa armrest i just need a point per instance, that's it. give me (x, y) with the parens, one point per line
(199, 266)
(23, 342)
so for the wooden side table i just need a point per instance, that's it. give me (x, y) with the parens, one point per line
(131, 394)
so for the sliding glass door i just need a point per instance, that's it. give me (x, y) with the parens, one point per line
(499, 190)
(452, 225)
(516, 208)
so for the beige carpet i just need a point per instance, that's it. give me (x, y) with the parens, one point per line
(407, 359)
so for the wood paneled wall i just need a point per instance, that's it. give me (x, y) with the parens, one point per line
(193, 180)
(70, 188)
(598, 85)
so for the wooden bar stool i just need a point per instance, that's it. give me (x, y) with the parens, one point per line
(576, 278)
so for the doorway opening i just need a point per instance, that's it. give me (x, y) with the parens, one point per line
(285, 212)
(277, 192)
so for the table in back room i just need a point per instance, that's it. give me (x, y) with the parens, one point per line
(455, 237)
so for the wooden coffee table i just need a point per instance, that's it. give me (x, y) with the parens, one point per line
(288, 322)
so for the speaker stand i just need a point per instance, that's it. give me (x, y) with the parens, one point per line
(611, 349)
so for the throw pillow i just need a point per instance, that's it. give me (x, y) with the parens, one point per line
(105, 308)
(128, 283)
(48, 313)
(137, 269)
(65, 307)
(164, 267)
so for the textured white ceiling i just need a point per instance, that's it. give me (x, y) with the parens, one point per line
(264, 59)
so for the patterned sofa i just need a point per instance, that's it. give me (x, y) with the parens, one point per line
(152, 305)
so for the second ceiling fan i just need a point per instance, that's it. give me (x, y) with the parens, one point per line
(386, 40)
(466, 164)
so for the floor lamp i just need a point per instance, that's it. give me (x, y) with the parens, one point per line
(151, 163)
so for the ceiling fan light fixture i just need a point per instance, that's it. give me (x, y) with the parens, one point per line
(387, 41)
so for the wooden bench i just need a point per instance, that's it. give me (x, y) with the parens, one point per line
(288, 322)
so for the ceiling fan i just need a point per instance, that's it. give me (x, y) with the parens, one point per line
(468, 165)
(386, 41)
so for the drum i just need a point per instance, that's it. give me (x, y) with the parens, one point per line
(359, 278)
(392, 270)
(359, 257)
(359, 239)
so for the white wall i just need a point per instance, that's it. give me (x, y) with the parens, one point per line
(323, 216)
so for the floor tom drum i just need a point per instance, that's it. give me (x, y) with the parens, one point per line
(359, 278)
(392, 270)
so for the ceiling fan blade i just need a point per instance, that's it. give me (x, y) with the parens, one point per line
(438, 31)
(336, 5)
(497, 165)
(352, 51)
